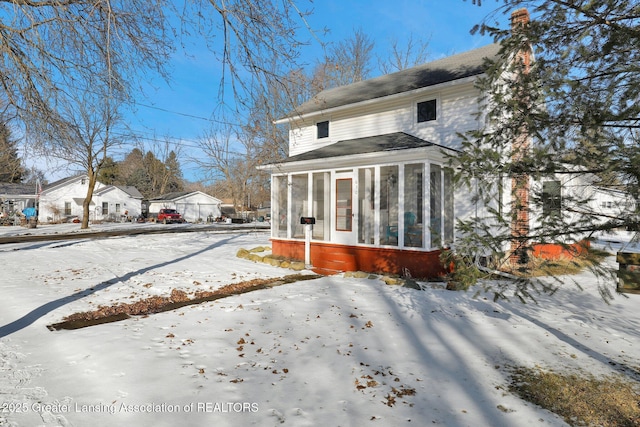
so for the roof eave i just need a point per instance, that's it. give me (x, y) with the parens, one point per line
(355, 160)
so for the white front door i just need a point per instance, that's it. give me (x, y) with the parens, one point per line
(344, 213)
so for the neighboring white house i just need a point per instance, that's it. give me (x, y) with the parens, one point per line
(62, 200)
(194, 206)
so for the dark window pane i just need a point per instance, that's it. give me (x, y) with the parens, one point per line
(323, 129)
(426, 111)
(551, 198)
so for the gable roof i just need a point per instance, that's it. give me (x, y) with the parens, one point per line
(172, 197)
(63, 181)
(130, 190)
(370, 144)
(444, 70)
(17, 189)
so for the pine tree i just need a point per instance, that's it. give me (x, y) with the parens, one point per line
(109, 172)
(11, 169)
(174, 181)
(576, 103)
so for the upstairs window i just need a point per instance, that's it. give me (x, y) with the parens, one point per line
(323, 129)
(426, 111)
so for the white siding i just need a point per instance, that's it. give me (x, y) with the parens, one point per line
(193, 207)
(301, 139)
(114, 196)
(198, 206)
(611, 204)
(456, 113)
(52, 202)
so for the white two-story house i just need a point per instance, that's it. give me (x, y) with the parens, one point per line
(368, 162)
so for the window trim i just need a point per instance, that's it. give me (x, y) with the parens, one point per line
(436, 102)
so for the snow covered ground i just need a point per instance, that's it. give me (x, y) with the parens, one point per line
(333, 351)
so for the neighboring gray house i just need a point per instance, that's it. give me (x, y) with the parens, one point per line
(193, 205)
(16, 197)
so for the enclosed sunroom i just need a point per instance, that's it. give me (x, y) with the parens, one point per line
(380, 204)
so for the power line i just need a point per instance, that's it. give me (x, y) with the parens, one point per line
(165, 110)
(192, 116)
(176, 142)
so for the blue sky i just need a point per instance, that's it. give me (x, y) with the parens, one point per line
(446, 23)
(179, 110)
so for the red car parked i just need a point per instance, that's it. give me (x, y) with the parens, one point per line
(167, 216)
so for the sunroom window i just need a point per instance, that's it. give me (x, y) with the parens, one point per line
(413, 205)
(389, 205)
(321, 205)
(281, 202)
(299, 203)
(366, 203)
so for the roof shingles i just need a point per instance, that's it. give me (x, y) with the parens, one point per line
(371, 144)
(454, 67)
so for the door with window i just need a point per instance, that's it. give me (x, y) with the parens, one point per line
(344, 229)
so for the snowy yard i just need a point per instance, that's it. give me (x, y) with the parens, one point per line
(333, 351)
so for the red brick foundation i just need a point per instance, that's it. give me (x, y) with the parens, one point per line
(332, 257)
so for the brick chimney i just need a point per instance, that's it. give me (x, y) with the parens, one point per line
(519, 20)
(520, 180)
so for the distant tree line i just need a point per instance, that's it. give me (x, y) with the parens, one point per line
(151, 175)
